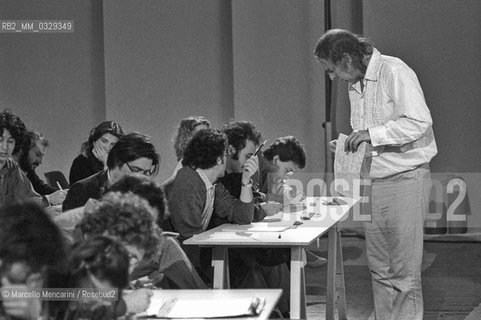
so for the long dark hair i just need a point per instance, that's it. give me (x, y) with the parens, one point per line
(336, 43)
(105, 127)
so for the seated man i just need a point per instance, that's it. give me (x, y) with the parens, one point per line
(281, 159)
(253, 268)
(14, 184)
(244, 139)
(133, 153)
(32, 256)
(29, 157)
(193, 195)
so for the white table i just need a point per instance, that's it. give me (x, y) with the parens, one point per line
(324, 219)
(271, 297)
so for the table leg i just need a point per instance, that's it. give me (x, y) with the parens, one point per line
(340, 285)
(220, 262)
(298, 286)
(335, 291)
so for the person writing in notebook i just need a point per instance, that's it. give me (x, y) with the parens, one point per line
(388, 111)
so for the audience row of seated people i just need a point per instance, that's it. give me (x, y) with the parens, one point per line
(115, 220)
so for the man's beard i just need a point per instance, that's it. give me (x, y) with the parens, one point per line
(24, 163)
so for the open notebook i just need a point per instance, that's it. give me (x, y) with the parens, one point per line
(198, 307)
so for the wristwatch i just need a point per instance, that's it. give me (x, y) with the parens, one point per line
(249, 185)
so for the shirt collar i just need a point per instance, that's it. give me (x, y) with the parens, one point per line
(9, 165)
(372, 71)
(374, 65)
(204, 178)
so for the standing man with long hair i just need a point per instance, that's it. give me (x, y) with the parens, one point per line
(388, 111)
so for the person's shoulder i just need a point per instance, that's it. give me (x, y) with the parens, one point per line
(393, 64)
(185, 175)
(186, 181)
(80, 159)
(95, 179)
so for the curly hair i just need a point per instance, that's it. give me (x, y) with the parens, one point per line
(288, 149)
(14, 125)
(101, 256)
(131, 147)
(238, 132)
(145, 188)
(96, 133)
(205, 147)
(28, 235)
(125, 217)
(336, 43)
(185, 131)
(30, 139)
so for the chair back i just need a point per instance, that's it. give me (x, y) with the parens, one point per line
(56, 176)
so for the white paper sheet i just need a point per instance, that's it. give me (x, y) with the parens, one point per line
(347, 167)
(197, 307)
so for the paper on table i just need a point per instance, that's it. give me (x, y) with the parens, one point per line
(197, 307)
(347, 167)
(257, 227)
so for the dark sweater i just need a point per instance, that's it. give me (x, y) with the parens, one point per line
(84, 166)
(186, 197)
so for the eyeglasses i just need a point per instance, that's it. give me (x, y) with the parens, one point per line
(147, 173)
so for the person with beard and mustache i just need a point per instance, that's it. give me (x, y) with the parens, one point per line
(29, 157)
(14, 184)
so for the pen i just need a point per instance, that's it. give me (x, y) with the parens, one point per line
(59, 186)
(260, 147)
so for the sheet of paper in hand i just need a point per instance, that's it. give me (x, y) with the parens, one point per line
(347, 168)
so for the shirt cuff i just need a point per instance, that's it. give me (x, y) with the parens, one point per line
(378, 136)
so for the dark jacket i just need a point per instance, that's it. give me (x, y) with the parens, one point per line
(91, 187)
(38, 184)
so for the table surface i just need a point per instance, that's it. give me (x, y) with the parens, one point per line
(279, 230)
(271, 297)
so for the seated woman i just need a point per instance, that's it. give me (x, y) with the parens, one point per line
(185, 130)
(32, 256)
(97, 263)
(94, 151)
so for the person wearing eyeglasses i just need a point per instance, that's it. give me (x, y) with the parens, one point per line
(99, 263)
(284, 157)
(32, 257)
(133, 153)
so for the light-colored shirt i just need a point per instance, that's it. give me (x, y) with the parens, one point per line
(393, 109)
(209, 202)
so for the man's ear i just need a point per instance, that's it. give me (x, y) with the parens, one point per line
(275, 159)
(346, 60)
(231, 151)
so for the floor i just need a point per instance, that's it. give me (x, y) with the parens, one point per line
(451, 279)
